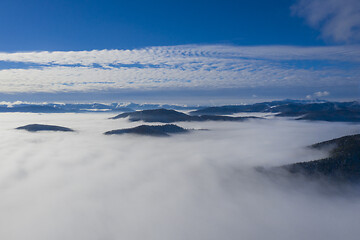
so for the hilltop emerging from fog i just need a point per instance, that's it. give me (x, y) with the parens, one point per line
(148, 130)
(43, 127)
(168, 116)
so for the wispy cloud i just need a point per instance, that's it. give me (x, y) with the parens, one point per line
(322, 94)
(176, 67)
(338, 20)
(318, 94)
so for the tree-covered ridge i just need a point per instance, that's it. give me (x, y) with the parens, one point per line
(343, 162)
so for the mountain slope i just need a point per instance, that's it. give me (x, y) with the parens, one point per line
(343, 162)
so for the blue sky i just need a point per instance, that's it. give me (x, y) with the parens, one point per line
(214, 49)
(86, 25)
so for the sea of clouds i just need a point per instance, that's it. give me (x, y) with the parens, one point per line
(86, 186)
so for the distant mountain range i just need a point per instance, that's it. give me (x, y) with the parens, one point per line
(149, 130)
(43, 127)
(169, 116)
(297, 109)
(300, 110)
(85, 107)
(63, 108)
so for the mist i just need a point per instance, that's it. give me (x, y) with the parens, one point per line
(202, 185)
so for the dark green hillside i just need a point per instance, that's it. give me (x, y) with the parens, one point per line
(343, 162)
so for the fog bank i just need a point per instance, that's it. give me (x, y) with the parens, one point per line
(85, 185)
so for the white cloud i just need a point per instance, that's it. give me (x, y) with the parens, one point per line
(190, 66)
(338, 20)
(318, 94)
(197, 186)
(322, 94)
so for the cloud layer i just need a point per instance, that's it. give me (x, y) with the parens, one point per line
(178, 67)
(338, 20)
(85, 185)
